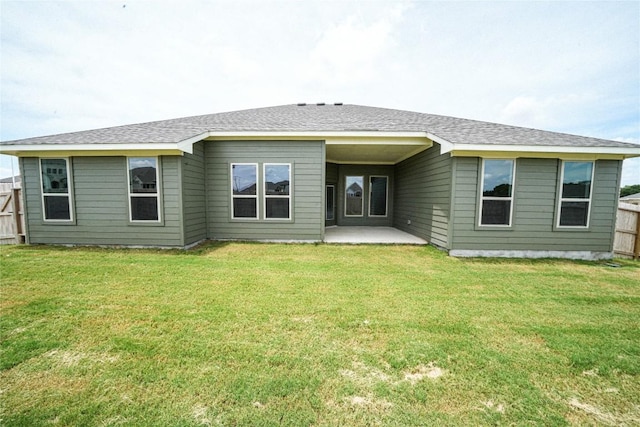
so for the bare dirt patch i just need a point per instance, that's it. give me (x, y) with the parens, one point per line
(489, 404)
(73, 358)
(199, 413)
(420, 372)
(365, 375)
(369, 402)
(605, 417)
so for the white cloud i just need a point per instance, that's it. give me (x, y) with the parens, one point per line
(348, 53)
(548, 112)
(352, 51)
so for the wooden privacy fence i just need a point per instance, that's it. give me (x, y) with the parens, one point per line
(627, 240)
(11, 217)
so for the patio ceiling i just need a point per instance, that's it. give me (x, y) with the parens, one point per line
(383, 152)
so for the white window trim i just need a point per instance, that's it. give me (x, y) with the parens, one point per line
(242, 196)
(156, 195)
(68, 194)
(333, 201)
(510, 198)
(264, 191)
(386, 201)
(566, 199)
(346, 197)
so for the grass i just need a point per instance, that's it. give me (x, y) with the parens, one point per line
(264, 334)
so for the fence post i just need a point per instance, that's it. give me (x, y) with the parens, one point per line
(17, 223)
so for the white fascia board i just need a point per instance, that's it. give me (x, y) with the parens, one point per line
(474, 150)
(20, 149)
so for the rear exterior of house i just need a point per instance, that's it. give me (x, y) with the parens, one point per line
(290, 185)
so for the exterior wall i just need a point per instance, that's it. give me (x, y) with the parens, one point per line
(194, 206)
(308, 176)
(332, 173)
(423, 196)
(534, 214)
(101, 207)
(365, 171)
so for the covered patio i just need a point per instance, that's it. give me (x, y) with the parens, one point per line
(370, 235)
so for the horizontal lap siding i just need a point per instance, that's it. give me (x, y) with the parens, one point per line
(423, 195)
(307, 161)
(534, 212)
(194, 195)
(101, 206)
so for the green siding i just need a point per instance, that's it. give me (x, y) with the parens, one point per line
(194, 206)
(423, 196)
(101, 206)
(534, 215)
(365, 171)
(307, 159)
(332, 173)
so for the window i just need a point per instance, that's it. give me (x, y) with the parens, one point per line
(277, 191)
(378, 195)
(143, 189)
(244, 185)
(354, 190)
(575, 194)
(330, 203)
(496, 200)
(56, 196)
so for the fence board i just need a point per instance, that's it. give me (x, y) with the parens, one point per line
(627, 239)
(11, 217)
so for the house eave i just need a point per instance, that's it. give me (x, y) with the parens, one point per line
(542, 151)
(51, 150)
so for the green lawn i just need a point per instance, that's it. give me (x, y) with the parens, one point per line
(266, 334)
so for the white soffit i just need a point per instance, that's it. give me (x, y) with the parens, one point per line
(463, 150)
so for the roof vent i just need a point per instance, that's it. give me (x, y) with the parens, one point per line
(301, 104)
(320, 104)
(337, 103)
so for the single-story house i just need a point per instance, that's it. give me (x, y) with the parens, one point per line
(285, 173)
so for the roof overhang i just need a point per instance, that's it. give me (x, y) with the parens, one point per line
(57, 150)
(345, 147)
(511, 151)
(538, 151)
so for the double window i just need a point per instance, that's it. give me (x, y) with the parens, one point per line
(276, 191)
(378, 196)
(144, 193)
(55, 176)
(575, 194)
(496, 200)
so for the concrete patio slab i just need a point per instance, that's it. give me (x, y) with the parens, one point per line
(370, 235)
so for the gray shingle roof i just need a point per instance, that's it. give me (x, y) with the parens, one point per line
(323, 118)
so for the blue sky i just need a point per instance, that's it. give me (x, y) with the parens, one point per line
(564, 66)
